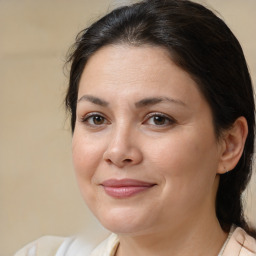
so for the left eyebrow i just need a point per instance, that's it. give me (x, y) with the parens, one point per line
(155, 100)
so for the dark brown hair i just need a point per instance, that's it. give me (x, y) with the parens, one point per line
(201, 44)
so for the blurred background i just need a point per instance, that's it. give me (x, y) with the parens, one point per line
(38, 192)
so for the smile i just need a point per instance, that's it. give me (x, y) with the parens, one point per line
(125, 188)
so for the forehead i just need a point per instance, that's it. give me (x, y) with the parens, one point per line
(142, 71)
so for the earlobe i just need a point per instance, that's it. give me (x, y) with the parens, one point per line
(233, 145)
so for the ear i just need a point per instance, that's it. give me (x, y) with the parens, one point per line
(232, 145)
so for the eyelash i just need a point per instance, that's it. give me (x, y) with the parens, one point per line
(169, 120)
(86, 119)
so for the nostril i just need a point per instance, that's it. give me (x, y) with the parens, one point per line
(127, 160)
(108, 161)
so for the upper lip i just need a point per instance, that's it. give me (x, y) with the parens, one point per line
(126, 183)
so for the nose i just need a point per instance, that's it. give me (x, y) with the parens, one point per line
(123, 149)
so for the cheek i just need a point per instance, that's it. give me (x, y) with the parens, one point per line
(186, 161)
(188, 181)
(86, 154)
(173, 153)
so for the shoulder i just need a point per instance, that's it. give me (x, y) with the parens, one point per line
(45, 246)
(240, 244)
(108, 247)
(75, 245)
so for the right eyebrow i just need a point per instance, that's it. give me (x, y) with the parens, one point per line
(94, 100)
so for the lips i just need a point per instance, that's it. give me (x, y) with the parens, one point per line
(125, 188)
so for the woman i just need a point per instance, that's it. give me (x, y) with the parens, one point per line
(162, 115)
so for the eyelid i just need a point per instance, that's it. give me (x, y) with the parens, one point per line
(170, 119)
(153, 114)
(85, 117)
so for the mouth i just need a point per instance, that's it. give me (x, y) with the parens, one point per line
(125, 188)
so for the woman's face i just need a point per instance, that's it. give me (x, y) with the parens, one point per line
(144, 148)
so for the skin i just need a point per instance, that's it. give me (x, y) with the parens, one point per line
(118, 134)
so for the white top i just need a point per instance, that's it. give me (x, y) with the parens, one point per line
(238, 243)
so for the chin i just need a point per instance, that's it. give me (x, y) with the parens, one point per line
(122, 221)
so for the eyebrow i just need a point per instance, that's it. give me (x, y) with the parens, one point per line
(139, 104)
(94, 100)
(155, 100)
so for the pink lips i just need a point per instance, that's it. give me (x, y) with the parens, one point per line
(125, 188)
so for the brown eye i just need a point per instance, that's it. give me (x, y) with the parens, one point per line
(98, 120)
(159, 120)
(94, 120)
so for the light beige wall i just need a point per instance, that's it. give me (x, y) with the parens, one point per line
(38, 193)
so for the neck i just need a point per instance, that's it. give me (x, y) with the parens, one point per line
(190, 238)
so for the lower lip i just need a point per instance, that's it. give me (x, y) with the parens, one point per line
(125, 192)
